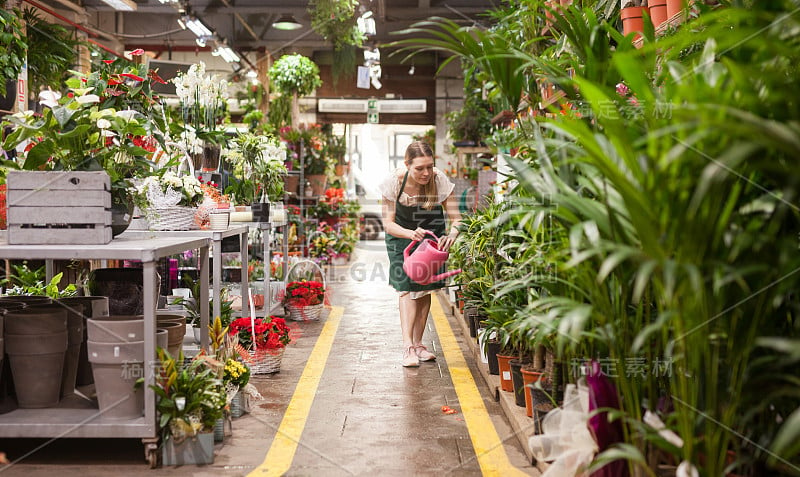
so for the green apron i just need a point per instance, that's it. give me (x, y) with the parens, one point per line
(411, 217)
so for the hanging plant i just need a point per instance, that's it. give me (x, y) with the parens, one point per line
(335, 20)
(295, 74)
(12, 44)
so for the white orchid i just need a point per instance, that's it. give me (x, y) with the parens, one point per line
(88, 99)
(103, 123)
(49, 98)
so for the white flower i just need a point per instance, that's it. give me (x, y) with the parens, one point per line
(686, 469)
(103, 123)
(126, 114)
(88, 98)
(49, 98)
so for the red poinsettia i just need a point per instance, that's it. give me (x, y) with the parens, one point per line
(270, 333)
(304, 293)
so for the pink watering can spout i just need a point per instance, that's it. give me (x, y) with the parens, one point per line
(421, 265)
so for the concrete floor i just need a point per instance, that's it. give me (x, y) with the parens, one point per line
(370, 416)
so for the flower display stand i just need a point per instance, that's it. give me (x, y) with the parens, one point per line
(59, 208)
(82, 420)
(194, 450)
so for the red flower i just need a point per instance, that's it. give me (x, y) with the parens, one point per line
(154, 77)
(137, 52)
(108, 62)
(113, 81)
(132, 76)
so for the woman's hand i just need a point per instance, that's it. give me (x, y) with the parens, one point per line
(447, 241)
(417, 234)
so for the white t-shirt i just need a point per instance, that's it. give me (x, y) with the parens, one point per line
(391, 185)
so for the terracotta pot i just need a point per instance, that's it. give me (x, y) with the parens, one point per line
(175, 333)
(633, 21)
(34, 320)
(116, 329)
(116, 368)
(26, 299)
(529, 377)
(75, 326)
(506, 384)
(37, 363)
(658, 11)
(674, 7)
(92, 306)
(318, 182)
(292, 183)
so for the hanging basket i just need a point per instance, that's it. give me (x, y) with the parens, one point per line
(305, 313)
(172, 218)
(266, 361)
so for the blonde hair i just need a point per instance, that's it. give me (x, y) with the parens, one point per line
(428, 193)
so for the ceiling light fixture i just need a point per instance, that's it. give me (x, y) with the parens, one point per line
(226, 53)
(197, 27)
(121, 5)
(287, 22)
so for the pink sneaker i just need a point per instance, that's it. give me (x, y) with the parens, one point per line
(423, 354)
(410, 359)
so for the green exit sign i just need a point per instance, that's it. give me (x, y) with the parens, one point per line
(372, 118)
(372, 104)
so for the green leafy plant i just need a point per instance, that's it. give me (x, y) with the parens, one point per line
(189, 398)
(52, 52)
(260, 159)
(14, 45)
(295, 75)
(24, 281)
(335, 20)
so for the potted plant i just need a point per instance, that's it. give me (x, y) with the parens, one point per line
(109, 120)
(170, 200)
(14, 45)
(260, 159)
(189, 401)
(262, 342)
(295, 75)
(203, 105)
(304, 299)
(237, 375)
(471, 124)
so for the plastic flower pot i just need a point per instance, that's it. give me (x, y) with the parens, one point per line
(506, 384)
(633, 21)
(516, 381)
(492, 348)
(529, 378)
(194, 450)
(658, 11)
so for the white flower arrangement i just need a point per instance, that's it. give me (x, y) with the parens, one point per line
(203, 99)
(171, 190)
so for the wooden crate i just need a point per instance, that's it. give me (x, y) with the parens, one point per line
(59, 208)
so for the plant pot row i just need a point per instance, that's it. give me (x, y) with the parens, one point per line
(659, 11)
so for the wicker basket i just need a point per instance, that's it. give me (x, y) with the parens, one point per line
(266, 361)
(305, 313)
(172, 218)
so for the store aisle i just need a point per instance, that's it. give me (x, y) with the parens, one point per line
(372, 416)
(356, 409)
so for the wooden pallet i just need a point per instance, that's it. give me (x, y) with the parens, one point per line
(59, 208)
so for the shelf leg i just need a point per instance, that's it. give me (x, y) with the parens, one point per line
(243, 242)
(217, 272)
(151, 290)
(204, 298)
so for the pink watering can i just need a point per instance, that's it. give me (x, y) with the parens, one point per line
(426, 260)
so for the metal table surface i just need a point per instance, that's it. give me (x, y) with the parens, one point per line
(216, 237)
(67, 420)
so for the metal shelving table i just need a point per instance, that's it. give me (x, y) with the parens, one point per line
(64, 421)
(216, 237)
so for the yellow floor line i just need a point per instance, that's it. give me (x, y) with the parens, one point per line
(489, 449)
(281, 452)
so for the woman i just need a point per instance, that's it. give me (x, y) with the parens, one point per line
(413, 199)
